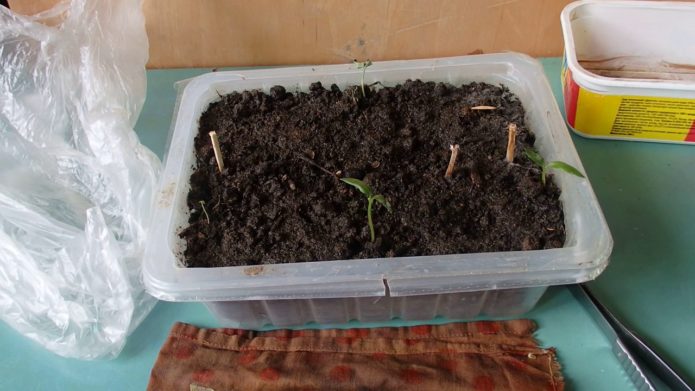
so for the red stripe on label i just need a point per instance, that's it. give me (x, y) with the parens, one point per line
(571, 95)
(690, 137)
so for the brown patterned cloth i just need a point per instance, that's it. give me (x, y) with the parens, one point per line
(480, 356)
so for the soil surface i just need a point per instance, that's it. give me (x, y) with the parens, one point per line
(279, 199)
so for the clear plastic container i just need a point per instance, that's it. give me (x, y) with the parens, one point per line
(458, 286)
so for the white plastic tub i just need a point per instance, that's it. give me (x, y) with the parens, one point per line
(629, 70)
(457, 286)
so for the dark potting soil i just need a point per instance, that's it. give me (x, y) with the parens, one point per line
(279, 199)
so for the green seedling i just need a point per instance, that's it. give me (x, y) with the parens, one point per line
(363, 66)
(545, 167)
(371, 197)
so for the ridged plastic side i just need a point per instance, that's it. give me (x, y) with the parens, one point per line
(286, 313)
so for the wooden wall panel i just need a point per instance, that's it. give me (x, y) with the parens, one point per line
(30, 7)
(211, 33)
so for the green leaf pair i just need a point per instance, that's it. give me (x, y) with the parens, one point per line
(371, 197)
(538, 160)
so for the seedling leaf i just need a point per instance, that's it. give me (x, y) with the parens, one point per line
(363, 64)
(538, 160)
(535, 157)
(359, 185)
(562, 166)
(380, 199)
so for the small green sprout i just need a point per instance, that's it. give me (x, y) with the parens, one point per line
(371, 197)
(363, 66)
(538, 160)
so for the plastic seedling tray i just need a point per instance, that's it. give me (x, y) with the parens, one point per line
(457, 286)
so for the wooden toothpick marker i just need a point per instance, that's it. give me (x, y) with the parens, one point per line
(452, 161)
(511, 142)
(218, 151)
(483, 108)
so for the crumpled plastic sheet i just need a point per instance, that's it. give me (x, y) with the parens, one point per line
(76, 185)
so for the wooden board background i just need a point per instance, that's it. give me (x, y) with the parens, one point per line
(211, 33)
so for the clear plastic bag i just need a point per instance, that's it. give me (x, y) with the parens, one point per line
(75, 183)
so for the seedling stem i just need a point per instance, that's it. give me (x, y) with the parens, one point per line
(370, 202)
(207, 217)
(371, 197)
(452, 160)
(363, 66)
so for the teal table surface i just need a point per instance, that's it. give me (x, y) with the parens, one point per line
(646, 192)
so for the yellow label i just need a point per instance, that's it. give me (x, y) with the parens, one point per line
(670, 119)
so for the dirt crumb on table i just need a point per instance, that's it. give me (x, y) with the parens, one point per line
(254, 270)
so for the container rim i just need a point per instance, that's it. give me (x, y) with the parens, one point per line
(599, 83)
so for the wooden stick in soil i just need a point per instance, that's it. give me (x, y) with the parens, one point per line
(483, 108)
(511, 142)
(452, 160)
(218, 151)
